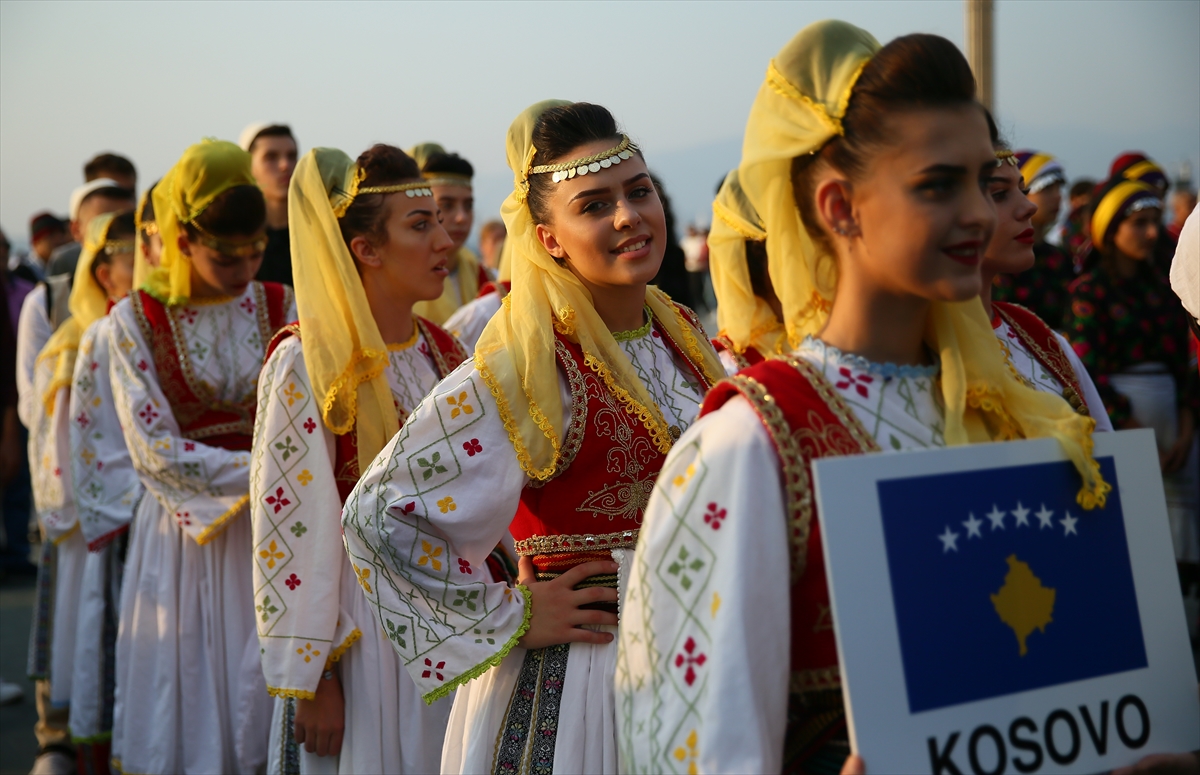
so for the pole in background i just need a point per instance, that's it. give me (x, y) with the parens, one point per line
(979, 47)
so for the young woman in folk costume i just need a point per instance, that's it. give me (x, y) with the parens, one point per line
(869, 168)
(105, 485)
(186, 350)
(54, 491)
(468, 322)
(1041, 357)
(748, 310)
(366, 245)
(449, 176)
(577, 390)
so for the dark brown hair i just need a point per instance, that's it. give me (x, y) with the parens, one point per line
(148, 206)
(448, 162)
(240, 211)
(557, 132)
(913, 72)
(121, 228)
(277, 130)
(107, 164)
(366, 217)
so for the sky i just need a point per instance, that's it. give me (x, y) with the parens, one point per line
(1084, 80)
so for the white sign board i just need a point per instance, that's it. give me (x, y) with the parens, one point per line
(986, 623)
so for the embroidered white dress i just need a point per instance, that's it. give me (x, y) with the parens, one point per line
(1038, 376)
(54, 502)
(106, 490)
(190, 694)
(418, 528)
(703, 672)
(469, 320)
(309, 605)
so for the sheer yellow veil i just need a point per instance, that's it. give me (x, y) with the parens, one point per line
(515, 354)
(742, 316)
(797, 110)
(205, 171)
(343, 349)
(141, 269)
(88, 303)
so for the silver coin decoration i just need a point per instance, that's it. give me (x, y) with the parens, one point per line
(594, 166)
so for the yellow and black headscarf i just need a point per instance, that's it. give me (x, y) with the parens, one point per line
(1117, 200)
(799, 108)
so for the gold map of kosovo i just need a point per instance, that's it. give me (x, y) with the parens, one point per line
(1023, 603)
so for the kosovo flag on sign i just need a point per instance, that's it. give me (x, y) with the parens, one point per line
(1003, 583)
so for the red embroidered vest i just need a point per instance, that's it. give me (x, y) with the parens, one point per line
(751, 356)
(595, 500)
(444, 351)
(1042, 344)
(202, 417)
(501, 286)
(806, 420)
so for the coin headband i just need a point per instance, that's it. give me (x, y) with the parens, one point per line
(594, 163)
(447, 179)
(411, 190)
(149, 228)
(249, 246)
(1007, 156)
(112, 247)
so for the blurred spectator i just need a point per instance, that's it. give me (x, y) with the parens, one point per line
(1075, 235)
(14, 466)
(102, 195)
(47, 233)
(673, 276)
(114, 167)
(695, 260)
(1183, 203)
(273, 154)
(491, 241)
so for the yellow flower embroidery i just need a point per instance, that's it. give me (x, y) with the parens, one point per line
(271, 554)
(716, 603)
(688, 754)
(87, 456)
(304, 478)
(308, 653)
(682, 479)
(460, 405)
(430, 556)
(293, 395)
(126, 345)
(447, 505)
(162, 444)
(96, 401)
(363, 574)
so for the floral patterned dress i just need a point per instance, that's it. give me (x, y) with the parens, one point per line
(687, 670)
(1043, 288)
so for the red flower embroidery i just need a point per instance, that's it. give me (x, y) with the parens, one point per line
(188, 315)
(95, 365)
(309, 425)
(686, 657)
(408, 507)
(292, 581)
(423, 349)
(247, 305)
(464, 566)
(58, 472)
(143, 365)
(432, 668)
(148, 414)
(859, 382)
(83, 420)
(473, 447)
(654, 333)
(714, 516)
(183, 517)
(277, 500)
(189, 446)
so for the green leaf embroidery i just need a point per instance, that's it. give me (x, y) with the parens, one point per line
(299, 529)
(895, 442)
(287, 447)
(191, 469)
(491, 641)
(395, 632)
(466, 598)
(431, 466)
(681, 565)
(266, 609)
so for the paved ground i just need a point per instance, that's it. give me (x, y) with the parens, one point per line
(17, 743)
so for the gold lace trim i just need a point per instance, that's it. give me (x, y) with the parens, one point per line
(577, 424)
(398, 347)
(588, 542)
(223, 521)
(298, 694)
(514, 433)
(730, 219)
(820, 679)
(691, 347)
(660, 433)
(1059, 366)
(784, 88)
(347, 383)
(637, 333)
(337, 653)
(74, 529)
(841, 410)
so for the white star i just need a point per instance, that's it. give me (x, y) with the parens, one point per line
(997, 518)
(1022, 515)
(1044, 517)
(972, 526)
(949, 540)
(1068, 525)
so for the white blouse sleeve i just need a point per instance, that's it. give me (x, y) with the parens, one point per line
(204, 488)
(702, 670)
(33, 331)
(107, 487)
(1091, 396)
(419, 526)
(295, 509)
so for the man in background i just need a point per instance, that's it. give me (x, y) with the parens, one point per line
(1183, 202)
(114, 167)
(491, 242)
(104, 171)
(47, 233)
(273, 153)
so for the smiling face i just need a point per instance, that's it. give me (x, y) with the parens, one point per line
(407, 259)
(607, 227)
(1011, 248)
(457, 205)
(918, 221)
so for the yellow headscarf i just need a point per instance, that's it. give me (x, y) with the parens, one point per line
(798, 109)
(742, 316)
(141, 269)
(343, 349)
(205, 171)
(88, 303)
(515, 353)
